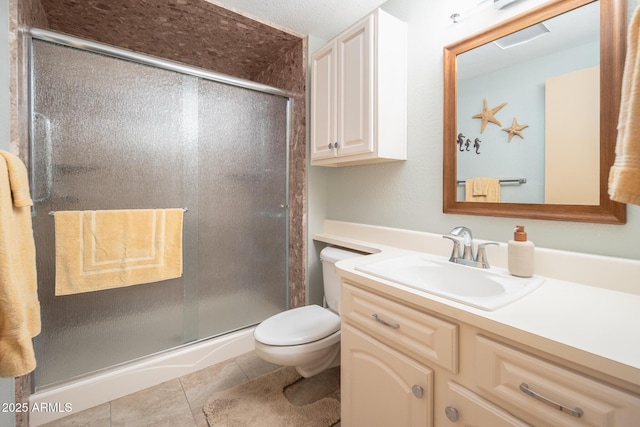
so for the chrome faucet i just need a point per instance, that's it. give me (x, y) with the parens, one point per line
(462, 235)
(466, 234)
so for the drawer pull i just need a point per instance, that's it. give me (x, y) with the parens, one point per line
(577, 412)
(384, 322)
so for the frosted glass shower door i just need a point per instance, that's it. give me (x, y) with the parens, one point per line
(242, 196)
(109, 133)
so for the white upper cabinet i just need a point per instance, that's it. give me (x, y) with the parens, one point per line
(359, 94)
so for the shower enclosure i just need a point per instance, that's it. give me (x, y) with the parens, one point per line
(116, 130)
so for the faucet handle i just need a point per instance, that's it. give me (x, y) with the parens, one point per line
(455, 253)
(464, 232)
(481, 256)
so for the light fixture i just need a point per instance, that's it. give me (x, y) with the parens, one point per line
(523, 36)
(456, 17)
(501, 4)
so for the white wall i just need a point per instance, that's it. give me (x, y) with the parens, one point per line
(6, 384)
(408, 194)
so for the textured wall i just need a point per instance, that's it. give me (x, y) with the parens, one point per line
(191, 31)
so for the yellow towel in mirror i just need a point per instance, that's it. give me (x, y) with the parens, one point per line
(482, 190)
(107, 249)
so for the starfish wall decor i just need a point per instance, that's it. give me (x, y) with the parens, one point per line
(488, 114)
(515, 129)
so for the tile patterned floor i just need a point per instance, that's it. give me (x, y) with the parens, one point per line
(178, 403)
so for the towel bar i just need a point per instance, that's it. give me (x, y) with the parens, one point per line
(502, 181)
(52, 213)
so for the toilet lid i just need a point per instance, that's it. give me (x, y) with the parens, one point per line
(298, 326)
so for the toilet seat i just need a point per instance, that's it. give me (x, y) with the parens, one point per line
(298, 326)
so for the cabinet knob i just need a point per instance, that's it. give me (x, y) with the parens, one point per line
(451, 413)
(330, 146)
(336, 145)
(417, 391)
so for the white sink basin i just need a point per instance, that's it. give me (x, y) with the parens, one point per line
(486, 289)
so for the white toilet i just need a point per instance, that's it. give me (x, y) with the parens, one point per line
(307, 337)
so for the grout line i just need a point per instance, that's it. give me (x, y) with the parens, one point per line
(235, 360)
(191, 409)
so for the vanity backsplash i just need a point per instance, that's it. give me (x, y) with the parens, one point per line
(618, 274)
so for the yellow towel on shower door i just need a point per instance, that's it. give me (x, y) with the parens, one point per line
(19, 306)
(107, 249)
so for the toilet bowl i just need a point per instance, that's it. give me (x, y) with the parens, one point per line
(307, 337)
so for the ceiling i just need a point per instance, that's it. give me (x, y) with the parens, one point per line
(320, 18)
(566, 31)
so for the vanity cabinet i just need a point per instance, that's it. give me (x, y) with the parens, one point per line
(385, 350)
(403, 365)
(358, 94)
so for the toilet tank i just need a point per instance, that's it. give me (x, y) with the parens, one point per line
(329, 256)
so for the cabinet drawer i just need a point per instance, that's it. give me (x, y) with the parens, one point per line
(421, 336)
(465, 409)
(550, 393)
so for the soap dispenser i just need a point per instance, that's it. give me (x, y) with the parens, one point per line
(520, 253)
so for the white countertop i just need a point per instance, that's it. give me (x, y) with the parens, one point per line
(595, 325)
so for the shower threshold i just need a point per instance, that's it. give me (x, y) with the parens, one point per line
(113, 383)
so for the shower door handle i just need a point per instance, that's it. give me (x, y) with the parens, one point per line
(47, 157)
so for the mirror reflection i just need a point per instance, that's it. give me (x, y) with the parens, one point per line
(544, 123)
(528, 114)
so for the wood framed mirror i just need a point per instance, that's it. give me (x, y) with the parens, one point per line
(612, 50)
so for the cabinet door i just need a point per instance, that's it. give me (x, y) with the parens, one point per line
(382, 387)
(467, 409)
(355, 89)
(323, 102)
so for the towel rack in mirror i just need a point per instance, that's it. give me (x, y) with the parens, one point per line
(518, 181)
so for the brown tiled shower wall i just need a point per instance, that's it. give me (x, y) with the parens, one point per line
(194, 32)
